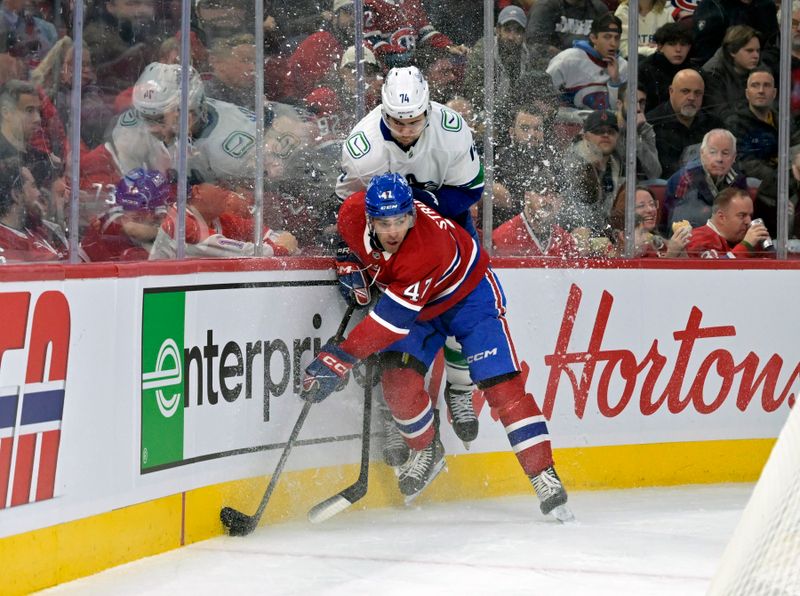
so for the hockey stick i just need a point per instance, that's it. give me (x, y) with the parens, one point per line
(344, 498)
(241, 524)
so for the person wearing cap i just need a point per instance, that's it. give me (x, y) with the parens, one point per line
(509, 34)
(535, 231)
(334, 104)
(593, 171)
(318, 55)
(554, 26)
(589, 74)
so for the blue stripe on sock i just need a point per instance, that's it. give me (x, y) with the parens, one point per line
(409, 429)
(526, 432)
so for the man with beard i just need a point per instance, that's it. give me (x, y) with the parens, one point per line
(679, 123)
(535, 232)
(123, 39)
(508, 38)
(529, 153)
(594, 171)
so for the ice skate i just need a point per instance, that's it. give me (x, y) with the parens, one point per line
(465, 421)
(395, 449)
(422, 466)
(552, 496)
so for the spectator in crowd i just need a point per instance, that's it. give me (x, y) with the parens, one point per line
(755, 127)
(233, 61)
(397, 30)
(212, 230)
(554, 26)
(294, 20)
(24, 35)
(20, 120)
(508, 38)
(334, 105)
(535, 231)
(318, 54)
(647, 165)
(589, 74)
(444, 73)
(725, 74)
(648, 242)
(713, 18)
(123, 37)
(529, 153)
(21, 202)
(729, 232)
(219, 19)
(766, 202)
(54, 77)
(656, 71)
(594, 172)
(459, 19)
(680, 123)
(222, 135)
(652, 15)
(125, 232)
(691, 190)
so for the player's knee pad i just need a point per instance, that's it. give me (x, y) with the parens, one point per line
(456, 366)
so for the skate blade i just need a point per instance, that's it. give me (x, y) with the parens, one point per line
(563, 514)
(467, 444)
(436, 471)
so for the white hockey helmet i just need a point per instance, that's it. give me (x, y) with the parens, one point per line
(404, 94)
(158, 90)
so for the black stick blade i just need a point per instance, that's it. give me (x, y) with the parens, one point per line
(236, 522)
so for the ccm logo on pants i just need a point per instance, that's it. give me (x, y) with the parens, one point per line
(482, 355)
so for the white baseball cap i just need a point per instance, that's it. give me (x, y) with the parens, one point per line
(337, 4)
(349, 57)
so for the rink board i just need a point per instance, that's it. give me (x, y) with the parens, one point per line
(134, 401)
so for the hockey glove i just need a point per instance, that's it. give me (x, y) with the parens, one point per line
(353, 283)
(326, 373)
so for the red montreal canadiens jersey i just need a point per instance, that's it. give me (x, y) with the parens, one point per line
(399, 25)
(516, 238)
(436, 266)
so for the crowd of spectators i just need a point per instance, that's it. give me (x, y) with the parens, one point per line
(705, 114)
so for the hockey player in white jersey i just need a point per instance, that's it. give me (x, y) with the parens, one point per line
(221, 138)
(432, 147)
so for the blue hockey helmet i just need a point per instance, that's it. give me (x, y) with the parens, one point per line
(142, 190)
(389, 195)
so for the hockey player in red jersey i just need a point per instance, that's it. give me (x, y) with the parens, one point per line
(126, 231)
(436, 282)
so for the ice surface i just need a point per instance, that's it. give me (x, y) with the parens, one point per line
(638, 542)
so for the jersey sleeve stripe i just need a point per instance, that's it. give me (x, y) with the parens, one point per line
(451, 268)
(387, 325)
(404, 303)
(467, 270)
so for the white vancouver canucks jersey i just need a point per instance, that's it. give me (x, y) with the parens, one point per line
(443, 155)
